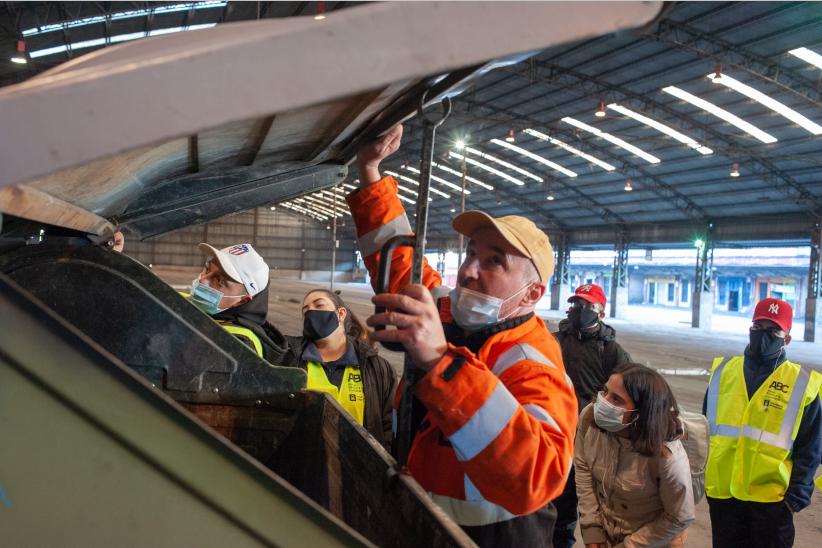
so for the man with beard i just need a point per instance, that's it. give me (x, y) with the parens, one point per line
(766, 436)
(590, 353)
(233, 289)
(494, 439)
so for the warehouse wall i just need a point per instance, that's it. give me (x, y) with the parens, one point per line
(290, 243)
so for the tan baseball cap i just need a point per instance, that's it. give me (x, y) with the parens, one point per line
(518, 231)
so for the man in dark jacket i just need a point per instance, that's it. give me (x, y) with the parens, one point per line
(590, 353)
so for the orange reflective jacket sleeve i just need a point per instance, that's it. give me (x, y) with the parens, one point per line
(513, 433)
(379, 216)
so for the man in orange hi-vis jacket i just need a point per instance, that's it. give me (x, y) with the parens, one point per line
(493, 444)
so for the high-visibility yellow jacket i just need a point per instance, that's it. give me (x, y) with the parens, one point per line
(752, 439)
(349, 395)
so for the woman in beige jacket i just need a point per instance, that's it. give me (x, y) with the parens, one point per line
(633, 476)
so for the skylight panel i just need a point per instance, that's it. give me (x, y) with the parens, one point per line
(720, 113)
(575, 151)
(416, 183)
(667, 130)
(438, 179)
(809, 56)
(327, 202)
(535, 157)
(503, 163)
(650, 158)
(123, 15)
(115, 39)
(487, 168)
(767, 101)
(447, 169)
(304, 211)
(309, 203)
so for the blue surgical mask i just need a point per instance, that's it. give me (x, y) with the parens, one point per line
(207, 298)
(473, 310)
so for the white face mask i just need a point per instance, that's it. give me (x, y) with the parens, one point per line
(473, 310)
(608, 416)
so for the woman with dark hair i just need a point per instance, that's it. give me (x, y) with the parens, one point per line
(633, 476)
(336, 352)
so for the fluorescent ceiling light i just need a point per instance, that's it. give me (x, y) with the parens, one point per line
(304, 211)
(309, 203)
(328, 203)
(489, 169)
(468, 178)
(123, 15)
(19, 60)
(350, 186)
(539, 135)
(807, 55)
(650, 158)
(114, 39)
(767, 101)
(503, 163)
(438, 179)
(720, 113)
(667, 130)
(535, 157)
(416, 183)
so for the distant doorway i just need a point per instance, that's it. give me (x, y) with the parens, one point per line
(733, 301)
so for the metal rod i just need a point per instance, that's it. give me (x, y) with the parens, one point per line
(333, 239)
(405, 433)
(462, 208)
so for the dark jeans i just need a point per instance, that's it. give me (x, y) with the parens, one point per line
(567, 515)
(531, 531)
(736, 523)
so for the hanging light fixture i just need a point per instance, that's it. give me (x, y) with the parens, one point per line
(511, 138)
(600, 113)
(628, 186)
(320, 11)
(717, 73)
(734, 170)
(550, 197)
(20, 58)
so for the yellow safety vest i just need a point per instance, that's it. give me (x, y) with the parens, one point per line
(243, 333)
(751, 440)
(350, 394)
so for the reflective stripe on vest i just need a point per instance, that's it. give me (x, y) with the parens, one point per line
(752, 439)
(246, 334)
(350, 394)
(474, 510)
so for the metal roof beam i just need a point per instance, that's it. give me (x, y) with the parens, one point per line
(656, 185)
(559, 76)
(704, 44)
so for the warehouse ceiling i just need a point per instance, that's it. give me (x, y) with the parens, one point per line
(624, 131)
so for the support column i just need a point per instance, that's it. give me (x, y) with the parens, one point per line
(561, 287)
(703, 296)
(619, 282)
(813, 305)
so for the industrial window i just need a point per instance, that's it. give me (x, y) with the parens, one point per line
(671, 292)
(685, 286)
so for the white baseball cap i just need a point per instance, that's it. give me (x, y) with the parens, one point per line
(242, 264)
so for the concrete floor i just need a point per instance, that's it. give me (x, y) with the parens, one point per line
(656, 340)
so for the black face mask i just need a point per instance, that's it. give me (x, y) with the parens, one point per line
(582, 317)
(318, 324)
(765, 346)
